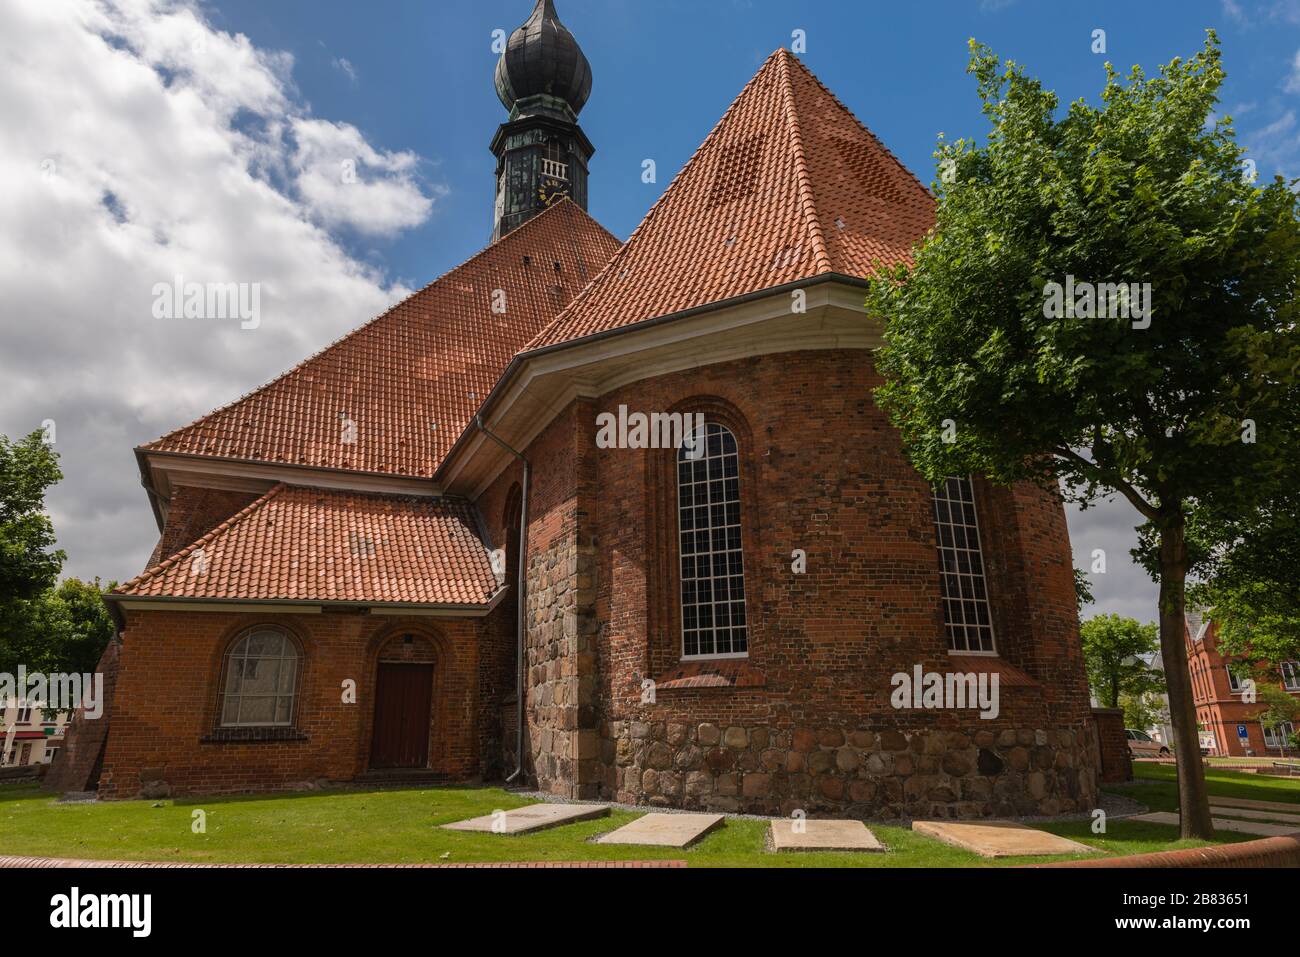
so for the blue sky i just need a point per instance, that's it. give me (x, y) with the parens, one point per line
(421, 79)
(143, 139)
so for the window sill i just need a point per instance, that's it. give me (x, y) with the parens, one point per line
(252, 735)
(1009, 676)
(711, 673)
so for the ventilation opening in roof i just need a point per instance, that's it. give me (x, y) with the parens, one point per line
(875, 172)
(735, 172)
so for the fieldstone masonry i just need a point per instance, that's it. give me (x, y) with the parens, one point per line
(852, 773)
(560, 680)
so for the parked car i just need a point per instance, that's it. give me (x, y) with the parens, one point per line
(1142, 745)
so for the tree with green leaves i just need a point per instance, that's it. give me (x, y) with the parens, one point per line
(63, 630)
(1247, 566)
(1114, 650)
(1011, 350)
(1279, 709)
(1141, 711)
(29, 562)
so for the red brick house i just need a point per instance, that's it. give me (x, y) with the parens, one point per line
(341, 589)
(1222, 708)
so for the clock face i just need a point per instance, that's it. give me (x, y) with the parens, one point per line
(551, 190)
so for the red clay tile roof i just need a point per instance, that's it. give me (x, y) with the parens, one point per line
(412, 378)
(788, 186)
(308, 544)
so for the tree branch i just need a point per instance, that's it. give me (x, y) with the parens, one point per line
(1124, 488)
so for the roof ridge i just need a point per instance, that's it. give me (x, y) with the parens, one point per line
(821, 256)
(654, 209)
(156, 570)
(564, 203)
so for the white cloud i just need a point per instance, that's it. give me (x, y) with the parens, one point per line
(138, 143)
(1275, 147)
(1124, 588)
(1292, 82)
(346, 182)
(1254, 12)
(344, 66)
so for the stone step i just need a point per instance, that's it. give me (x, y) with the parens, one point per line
(1257, 828)
(664, 830)
(526, 820)
(999, 838)
(804, 835)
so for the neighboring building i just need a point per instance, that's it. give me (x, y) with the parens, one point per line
(27, 735)
(1221, 712)
(334, 592)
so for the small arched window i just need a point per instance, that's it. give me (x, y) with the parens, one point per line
(261, 681)
(714, 624)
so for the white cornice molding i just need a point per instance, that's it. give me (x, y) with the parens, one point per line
(170, 469)
(545, 384)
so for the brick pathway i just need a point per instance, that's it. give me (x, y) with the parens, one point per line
(12, 861)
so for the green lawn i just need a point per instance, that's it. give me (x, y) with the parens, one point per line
(400, 826)
(1156, 788)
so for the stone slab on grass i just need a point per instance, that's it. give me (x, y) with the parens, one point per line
(1254, 805)
(1257, 828)
(823, 836)
(664, 830)
(999, 838)
(534, 817)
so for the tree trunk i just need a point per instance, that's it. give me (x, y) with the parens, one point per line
(1193, 799)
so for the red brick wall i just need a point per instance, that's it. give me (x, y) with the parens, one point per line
(1218, 709)
(822, 471)
(76, 766)
(165, 704)
(192, 513)
(1116, 760)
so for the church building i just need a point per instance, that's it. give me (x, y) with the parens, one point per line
(416, 557)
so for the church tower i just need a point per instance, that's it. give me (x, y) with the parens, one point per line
(543, 79)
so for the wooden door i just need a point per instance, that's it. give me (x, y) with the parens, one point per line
(403, 694)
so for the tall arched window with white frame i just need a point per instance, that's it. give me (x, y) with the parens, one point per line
(966, 617)
(714, 622)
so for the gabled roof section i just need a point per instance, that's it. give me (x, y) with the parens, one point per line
(315, 545)
(788, 186)
(411, 378)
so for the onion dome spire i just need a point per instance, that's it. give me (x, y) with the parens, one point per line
(542, 59)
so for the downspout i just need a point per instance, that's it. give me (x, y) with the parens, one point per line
(520, 596)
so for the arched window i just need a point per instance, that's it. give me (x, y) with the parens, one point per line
(961, 568)
(714, 624)
(261, 681)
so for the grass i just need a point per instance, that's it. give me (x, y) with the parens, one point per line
(401, 826)
(1155, 785)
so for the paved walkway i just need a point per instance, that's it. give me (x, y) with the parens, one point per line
(1257, 828)
(42, 862)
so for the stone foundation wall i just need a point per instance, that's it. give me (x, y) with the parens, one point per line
(860, 773)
